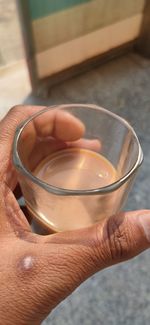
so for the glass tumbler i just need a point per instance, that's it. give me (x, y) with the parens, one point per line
(76, 164)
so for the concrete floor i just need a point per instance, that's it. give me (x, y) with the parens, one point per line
(119, 295)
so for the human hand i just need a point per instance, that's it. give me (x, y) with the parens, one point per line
(37, 272)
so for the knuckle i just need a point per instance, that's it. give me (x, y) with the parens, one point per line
(13, 118)
(15, 109)
(119, 238)
(114, 240)
(101, 252)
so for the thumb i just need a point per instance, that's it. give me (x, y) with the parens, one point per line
(124, 236)
(111, 241)
(70, 258)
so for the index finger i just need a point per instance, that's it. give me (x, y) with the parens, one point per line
(8, 127)
(59, 124)
(36, 134)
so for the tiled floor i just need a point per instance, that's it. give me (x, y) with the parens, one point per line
(119, 295)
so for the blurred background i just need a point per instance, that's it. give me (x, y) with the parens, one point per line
(87, 51)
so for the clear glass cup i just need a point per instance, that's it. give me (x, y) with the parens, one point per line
(76, 164)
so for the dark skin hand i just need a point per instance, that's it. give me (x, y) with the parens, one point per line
(38, 272)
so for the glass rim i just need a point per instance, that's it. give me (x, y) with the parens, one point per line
(66, 192)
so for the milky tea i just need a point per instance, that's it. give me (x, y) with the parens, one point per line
(73, 169)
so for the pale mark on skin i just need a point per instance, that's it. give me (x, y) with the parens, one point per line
(27, 263)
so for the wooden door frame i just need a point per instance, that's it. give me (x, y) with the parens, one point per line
(141, 45)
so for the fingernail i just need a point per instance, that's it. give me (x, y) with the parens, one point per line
(144, 220)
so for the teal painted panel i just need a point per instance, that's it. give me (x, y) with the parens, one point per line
(42, 8)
